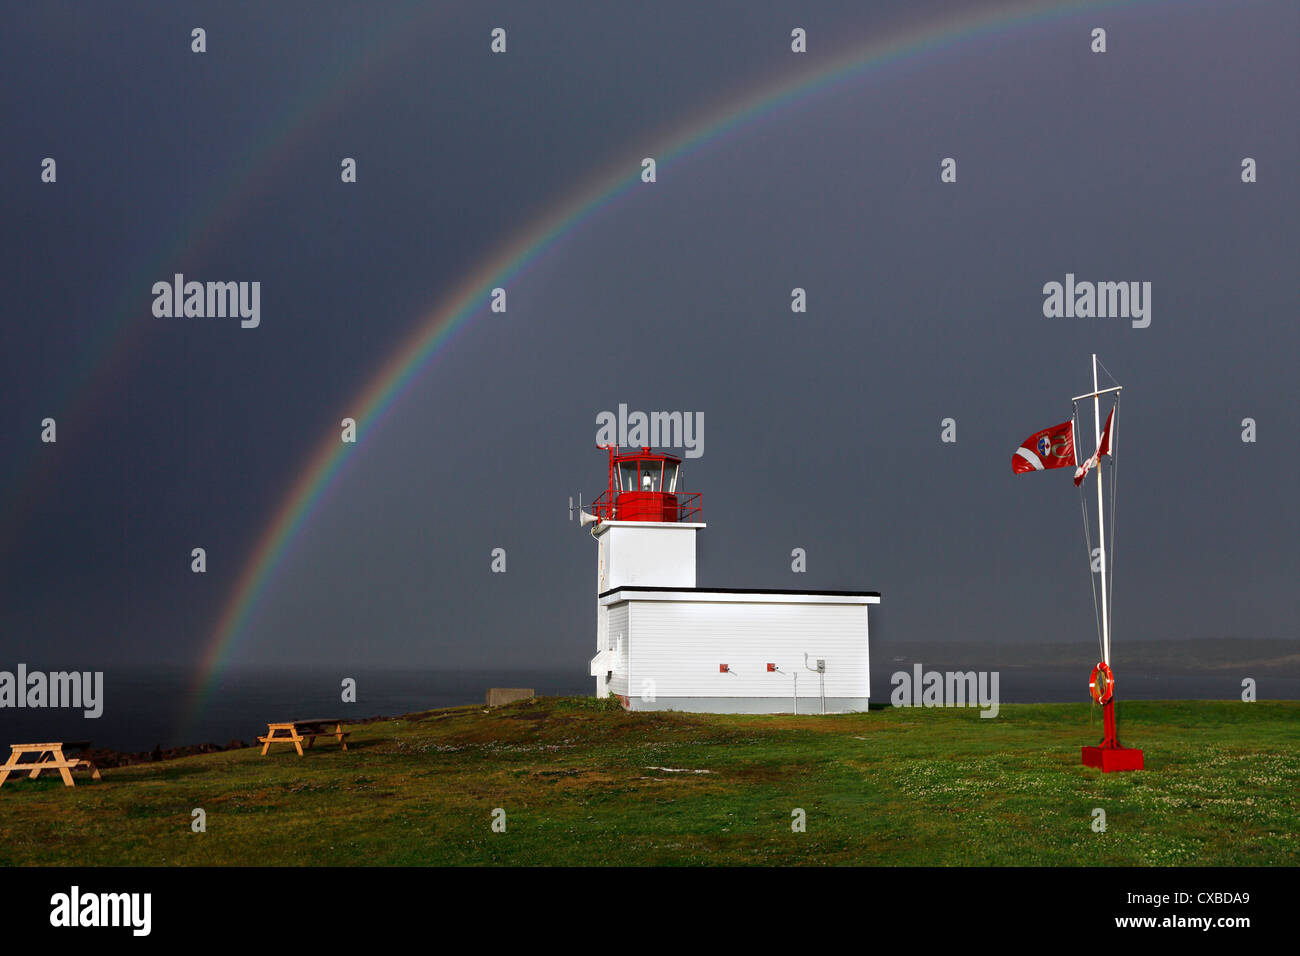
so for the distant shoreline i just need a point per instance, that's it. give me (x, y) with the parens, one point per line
(1252, 657)
(107, 757)
(148, 715)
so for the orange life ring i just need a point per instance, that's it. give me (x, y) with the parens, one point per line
(1102, 689)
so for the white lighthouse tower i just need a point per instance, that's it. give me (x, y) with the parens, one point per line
(663, 643)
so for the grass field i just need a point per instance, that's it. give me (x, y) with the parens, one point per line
(576, 781)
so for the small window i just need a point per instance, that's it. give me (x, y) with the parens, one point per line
(627, 476)
(670, 476)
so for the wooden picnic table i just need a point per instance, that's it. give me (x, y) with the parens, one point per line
(49, 756)
(296, 731)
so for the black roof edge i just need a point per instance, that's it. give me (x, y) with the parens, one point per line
(646, 454)
(640, 587)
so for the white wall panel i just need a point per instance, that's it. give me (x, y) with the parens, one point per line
(681, 645)
(646, 554)
(619, 642)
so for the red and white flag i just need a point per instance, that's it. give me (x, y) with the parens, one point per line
(1051, 448)
(1103, 449)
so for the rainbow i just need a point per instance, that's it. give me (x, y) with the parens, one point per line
(452, 314)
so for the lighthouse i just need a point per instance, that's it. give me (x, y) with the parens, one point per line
(664, 643)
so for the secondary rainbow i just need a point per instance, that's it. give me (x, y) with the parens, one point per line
(452, 313)
(98, 365)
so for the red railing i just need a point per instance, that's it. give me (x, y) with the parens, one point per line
(689, 507)
(603, 507)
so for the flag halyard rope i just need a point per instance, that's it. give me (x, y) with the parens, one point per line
(1114, 483)
(1087, 540)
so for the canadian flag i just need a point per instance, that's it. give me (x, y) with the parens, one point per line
(1051, 448)
(1103, 449)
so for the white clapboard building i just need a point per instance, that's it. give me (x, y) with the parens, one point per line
(664, 643)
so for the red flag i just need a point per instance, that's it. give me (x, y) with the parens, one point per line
(1051, 448)
(1103, 449)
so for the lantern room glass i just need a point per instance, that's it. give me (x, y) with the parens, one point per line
(627, 476)
(651, 475)
(670, 476)
(647, 474)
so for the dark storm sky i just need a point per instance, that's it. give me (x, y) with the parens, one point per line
(822, 430)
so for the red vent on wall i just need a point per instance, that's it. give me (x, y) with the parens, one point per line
(770, 668)
(724, 668)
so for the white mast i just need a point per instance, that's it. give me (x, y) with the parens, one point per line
(1095, 395)
(1101, 517)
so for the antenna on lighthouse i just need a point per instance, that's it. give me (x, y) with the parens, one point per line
(584, 517)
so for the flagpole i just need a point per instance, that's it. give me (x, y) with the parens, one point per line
(1101, 516)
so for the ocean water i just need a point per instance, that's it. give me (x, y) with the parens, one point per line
(144, 708)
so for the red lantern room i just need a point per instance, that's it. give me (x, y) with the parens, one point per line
(644, 486)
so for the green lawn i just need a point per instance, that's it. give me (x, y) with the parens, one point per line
(896, 786)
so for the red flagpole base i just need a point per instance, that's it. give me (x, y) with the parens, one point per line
(1110, 759)
(1110, 756)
